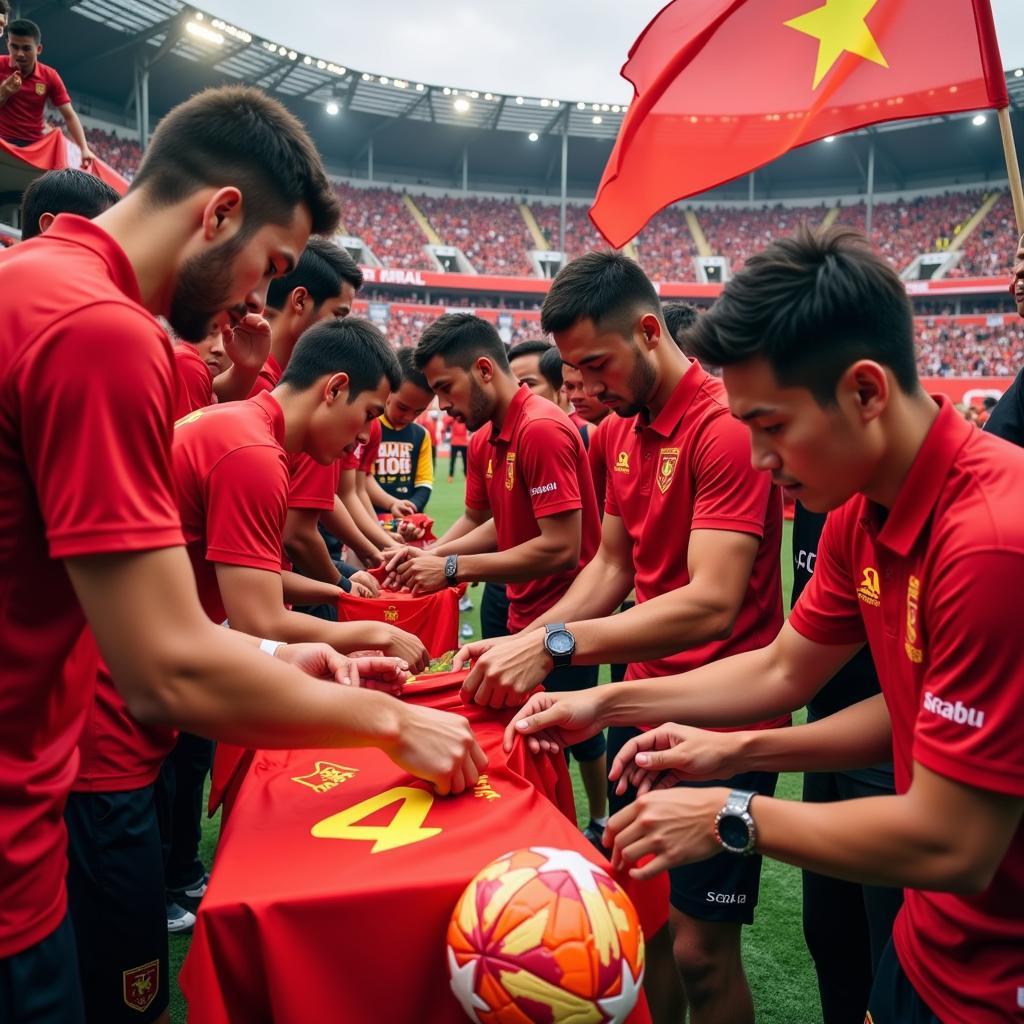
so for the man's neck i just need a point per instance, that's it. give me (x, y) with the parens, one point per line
(671, 366)
(297, 409)
(282, 341)
(907, 423)
(505, 390)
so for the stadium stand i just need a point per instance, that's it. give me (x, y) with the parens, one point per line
(380, 218)
(969, 347)
(580, 234)
(666, 248)
(490, 232)
(989, 250)
(738, 233)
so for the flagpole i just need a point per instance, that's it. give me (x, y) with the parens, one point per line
(1012, 166)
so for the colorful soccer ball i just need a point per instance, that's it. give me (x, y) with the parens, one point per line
(545, 935)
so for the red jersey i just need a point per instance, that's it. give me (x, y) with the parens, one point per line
(929, 587)
(195, 382)
(268, 378)
(86, 393)
(689, 469)
(479, 468)
(312, 485)
(597, 455)
(364, 456)
(537, 467)
(460, 432)
(22, 116)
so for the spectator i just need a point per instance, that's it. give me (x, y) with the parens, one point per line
(26, 87)
(62, 191)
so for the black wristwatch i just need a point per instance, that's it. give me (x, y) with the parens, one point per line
(451, 570)
(559, 643)
(734, 827)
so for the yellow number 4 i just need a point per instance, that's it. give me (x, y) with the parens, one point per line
(405, 828)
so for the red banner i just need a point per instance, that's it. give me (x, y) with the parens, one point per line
(969, 390)
(337, 875)
(52, 152)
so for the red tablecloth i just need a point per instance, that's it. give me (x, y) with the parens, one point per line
(337, 873)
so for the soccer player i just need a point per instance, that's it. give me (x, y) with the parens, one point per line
(458, 442)
(226, 196)
(62, 191)
(524, 361)
(696, 531)
(26, 86)
(404, 476)
(544, 524)
(816, 340)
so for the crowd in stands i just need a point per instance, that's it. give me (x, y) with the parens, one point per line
(954, 349)
(989, 250)
(666, 247)
(490, 232)
(123, 154)
(380, 218)
(738, 233)
(580, 234)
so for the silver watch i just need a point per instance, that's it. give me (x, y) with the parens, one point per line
(734, 827)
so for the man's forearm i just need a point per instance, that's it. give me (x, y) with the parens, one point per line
(235, 384)
(480, 540)
(75, 130)
(597, 591)
(309, 553)
(366, 521)
(340, 523)
(377, 495)
(856, 737)
(297, 627)
(302, 590)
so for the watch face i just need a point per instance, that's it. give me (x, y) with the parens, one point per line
(561, 642)
(733, 831)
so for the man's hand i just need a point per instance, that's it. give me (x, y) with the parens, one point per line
(504, 674)
(422, 574)
(676, 826)
(88, 156)
(393, 559)
(11, 85)
(372, 671)
(397, 643)
(409, 531)
(249, 343)
(672, 753)
(550, 722)
(358, 590)
(402, 507)
(440, 747)
(365, 582)
(318, 660)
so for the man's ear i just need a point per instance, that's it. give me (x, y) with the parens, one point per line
(650, 327)
(299, 301)
(484, 366)
(45, 220)
(222, 213)
(866, 387)
(336, 388)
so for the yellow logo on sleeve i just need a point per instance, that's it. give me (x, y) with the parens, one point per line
(914, 653)
(869, 591)
(510, 471)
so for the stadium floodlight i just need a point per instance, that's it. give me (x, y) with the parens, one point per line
(332, 108)
(292, 55)
(597, 119)
(420, 87)
(206, 35)
(321, 64)
(978, 120)
(488, 96)
(1019, 73)
(605, 107)
(533, 136)
(615, 108)
(545, 103)
(595, 106)
(384, 79)
(520, 101)
(581, 105)
(307, 59)
(447, 91)
(830, 138)
(461, 105)
(475, 95)
(366, 76)
(198, 15)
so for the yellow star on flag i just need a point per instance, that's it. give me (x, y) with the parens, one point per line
(839, 26)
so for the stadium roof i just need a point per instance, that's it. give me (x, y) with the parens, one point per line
(422, 131)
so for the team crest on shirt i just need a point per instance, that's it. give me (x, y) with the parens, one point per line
(41, 91)
(325, 776)
(189, 418)
(391, 614)
(622, 462)
(869, 591)
(914, 653)
(510, 471)
(141, 985)
(668, 459)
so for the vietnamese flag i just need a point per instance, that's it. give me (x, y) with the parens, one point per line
(724, 86)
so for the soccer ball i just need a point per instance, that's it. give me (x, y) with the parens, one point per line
(545, 935)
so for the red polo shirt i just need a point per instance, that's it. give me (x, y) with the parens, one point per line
(195, 382)
(479, 468)
(22, 116)
(930, 587)
(86, 393)
(364, 456)
(312, 485)
(689, 469)
(597, 455)
(268, 378)
(460, 433)
(538, 468)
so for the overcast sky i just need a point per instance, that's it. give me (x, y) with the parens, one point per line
(564, 49)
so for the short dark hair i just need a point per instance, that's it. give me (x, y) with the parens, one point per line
(407, 364)
(529, 348)
(602, 286)
(551, 367)
(236, 135)
(679, 318)
(24, 27)
(65, 190)
(316, 271)
(339, 261)
(460, 339)
(5, 8)
(351, 345)
(812, 305)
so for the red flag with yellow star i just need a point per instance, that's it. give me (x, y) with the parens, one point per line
(724, 86)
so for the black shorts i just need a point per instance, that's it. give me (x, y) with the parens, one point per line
(893, 999)
(116, 902)
(724, 887)
(40, 984)
(578, 677)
